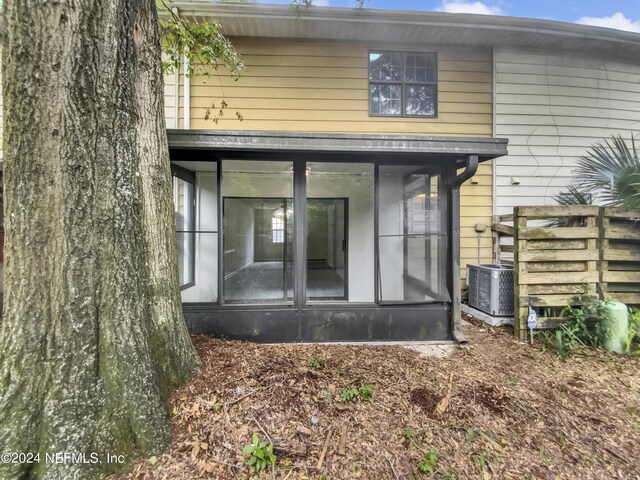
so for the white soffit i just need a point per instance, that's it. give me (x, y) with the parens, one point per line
(409, 27)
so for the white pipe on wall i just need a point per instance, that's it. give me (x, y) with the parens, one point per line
(186, 121)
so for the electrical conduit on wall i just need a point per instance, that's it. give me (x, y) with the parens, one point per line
(186, 122)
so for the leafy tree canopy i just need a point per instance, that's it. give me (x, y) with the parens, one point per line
(200, 44)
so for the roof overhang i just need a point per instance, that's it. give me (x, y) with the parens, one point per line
(220, 142)
(376, 27)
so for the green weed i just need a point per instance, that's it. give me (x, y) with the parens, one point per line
(409, 433)
(260, 454)
(363, 393)
(429, 462)
(317, 363)
(583, 327)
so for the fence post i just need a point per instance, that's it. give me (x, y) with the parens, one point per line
(496, 240)
(603, 264)
(520, 313)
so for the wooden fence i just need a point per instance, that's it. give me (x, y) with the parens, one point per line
(565, 255)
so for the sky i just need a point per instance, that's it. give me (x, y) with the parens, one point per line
(620, 14)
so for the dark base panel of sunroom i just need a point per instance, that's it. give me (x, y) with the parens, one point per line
(322, 323)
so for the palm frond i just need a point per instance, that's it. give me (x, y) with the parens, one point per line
(611, 170)
(573, 196)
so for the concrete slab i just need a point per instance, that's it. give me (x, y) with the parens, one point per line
(425, 349)
(486, 318)
(435, 351)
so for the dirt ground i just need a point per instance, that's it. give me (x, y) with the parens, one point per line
(513, 411)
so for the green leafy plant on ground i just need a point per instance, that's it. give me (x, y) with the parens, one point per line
(574, 333)
(409, 433)
(317, 363)
(449, 475)
(260, 454)
(363, 393)
(429, 462)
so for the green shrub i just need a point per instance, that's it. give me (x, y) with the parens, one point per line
(582, 328)
(585, 326)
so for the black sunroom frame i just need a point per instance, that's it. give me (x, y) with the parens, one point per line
(306, 320)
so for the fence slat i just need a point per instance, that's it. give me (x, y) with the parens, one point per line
(628, 298)
(553, 211)
(621, 254)
(558, 255)
(623, 232)
(507, 230)
(621, 212)
(548, 233)
(559, 278)
(555, 300)
(556, 267)
(569, 288)
(621, 277)
(557, 244)
(545, 323)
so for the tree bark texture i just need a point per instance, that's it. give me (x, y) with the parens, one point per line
(93, 339)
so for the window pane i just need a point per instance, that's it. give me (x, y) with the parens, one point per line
(385, 99)
(393, 93)
(183, 196)
(258, 231)
(203, 238)
(374, 98)
(386, 67)
(420, 100)
(420, 68)
(410, 74)
(412, 237)
(278, 225)
(430, 62)
(340, 241)
(430, 76)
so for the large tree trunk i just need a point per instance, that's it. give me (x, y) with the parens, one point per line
(93, 338)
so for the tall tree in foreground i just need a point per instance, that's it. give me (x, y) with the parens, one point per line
(93, 339)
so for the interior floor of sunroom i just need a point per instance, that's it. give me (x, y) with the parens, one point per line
(264, 282)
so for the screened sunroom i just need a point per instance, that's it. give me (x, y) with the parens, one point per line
(307, 237)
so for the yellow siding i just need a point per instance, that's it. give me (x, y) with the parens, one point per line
(324, 88)
(320, 87)
(1, 114)
(171, 98)
(476, 207)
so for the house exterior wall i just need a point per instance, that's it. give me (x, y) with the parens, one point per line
(323, 87)
(1, 111)
(171, 96)
(553, 106)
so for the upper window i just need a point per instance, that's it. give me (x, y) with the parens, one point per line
(277, 226)
(403, 84)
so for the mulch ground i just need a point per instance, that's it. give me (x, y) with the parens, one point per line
(513, 411)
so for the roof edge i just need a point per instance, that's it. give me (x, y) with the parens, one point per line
(409, 17)
(486, 147)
